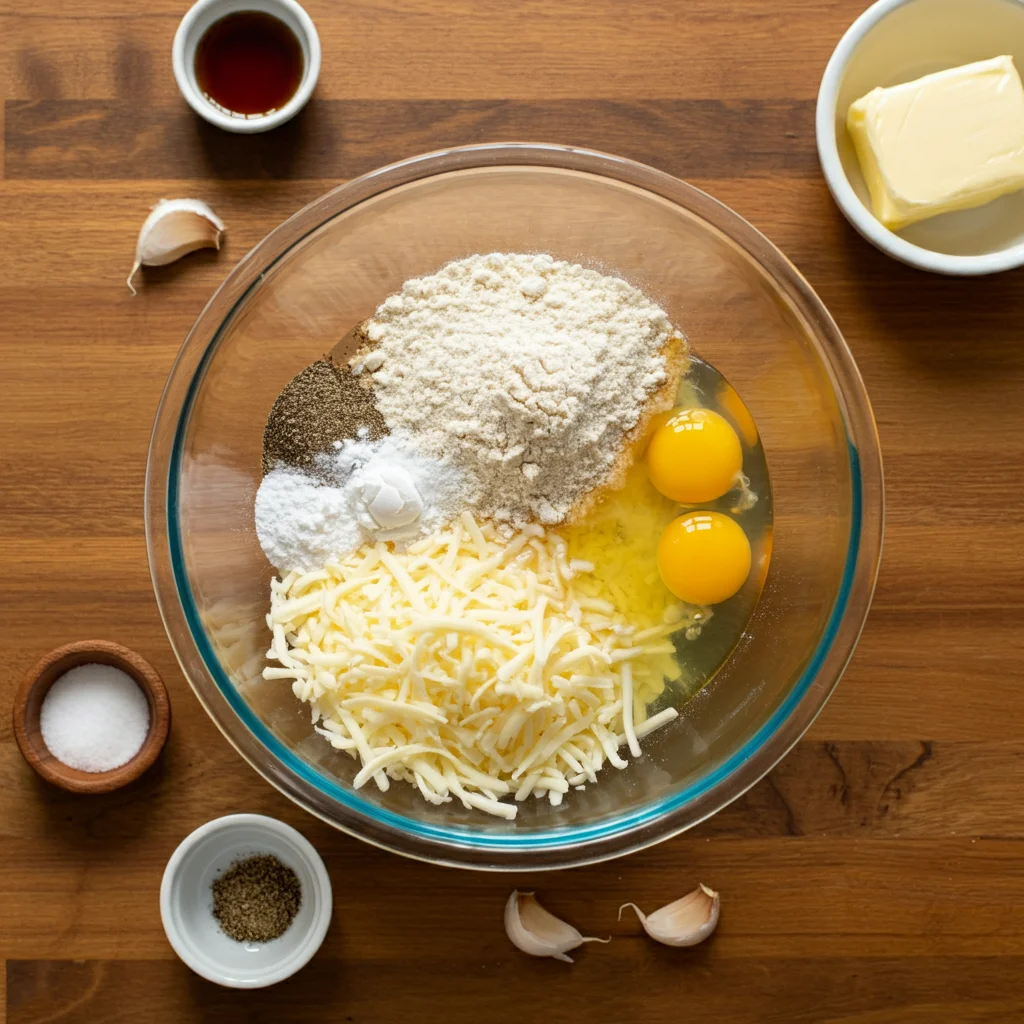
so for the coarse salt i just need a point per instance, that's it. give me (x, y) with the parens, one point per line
(94, 718)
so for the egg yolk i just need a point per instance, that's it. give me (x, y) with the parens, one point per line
(695, 456)
(704, 557)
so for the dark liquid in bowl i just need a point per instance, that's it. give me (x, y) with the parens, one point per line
(249, 63)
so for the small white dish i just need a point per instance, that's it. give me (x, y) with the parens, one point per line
(186, 901)
(192, 28)
(897, 41)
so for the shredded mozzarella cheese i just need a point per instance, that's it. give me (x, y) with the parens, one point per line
(469, 665)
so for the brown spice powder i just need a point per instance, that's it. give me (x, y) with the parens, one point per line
(256, 899)
(322, 404)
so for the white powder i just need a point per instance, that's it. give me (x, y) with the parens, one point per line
(94, 718)
(366, 468)
(523, 372)
(367, 491)
(301, 521)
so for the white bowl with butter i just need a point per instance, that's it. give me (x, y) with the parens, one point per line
(899, 41)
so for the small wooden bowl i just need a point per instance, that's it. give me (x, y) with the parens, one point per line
(29, 700)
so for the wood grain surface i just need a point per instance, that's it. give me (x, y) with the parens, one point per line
(876, 876)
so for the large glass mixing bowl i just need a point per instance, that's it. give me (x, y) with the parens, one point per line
(745, 309)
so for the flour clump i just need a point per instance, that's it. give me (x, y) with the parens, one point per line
(528, 375)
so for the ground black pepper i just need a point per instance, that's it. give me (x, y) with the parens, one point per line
(322, 404)
(256, 899)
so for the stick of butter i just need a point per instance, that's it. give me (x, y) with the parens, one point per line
(949, 141)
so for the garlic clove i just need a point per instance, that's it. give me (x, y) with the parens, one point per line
(537, 931)
(174, 228)
(686, 922)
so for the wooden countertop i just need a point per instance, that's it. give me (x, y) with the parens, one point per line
(877, 875)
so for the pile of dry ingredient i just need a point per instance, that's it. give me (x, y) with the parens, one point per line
(365, 490)
(526, 373)
(256, 899)
(426, 609)
(94, 718)
(319, 406)
(518, 383)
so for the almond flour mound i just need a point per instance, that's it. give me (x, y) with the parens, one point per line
(530, 375)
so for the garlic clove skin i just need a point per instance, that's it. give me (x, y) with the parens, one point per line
(537, 931)
(686, 922)
(174, 228)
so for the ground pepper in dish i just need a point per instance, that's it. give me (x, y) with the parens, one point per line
(256, 899)
(322, 404)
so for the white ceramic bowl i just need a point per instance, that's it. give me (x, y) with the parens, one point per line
(897, 41)
(186, 902)
(195, 23)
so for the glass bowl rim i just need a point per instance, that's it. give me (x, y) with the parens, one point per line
(559, 846)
